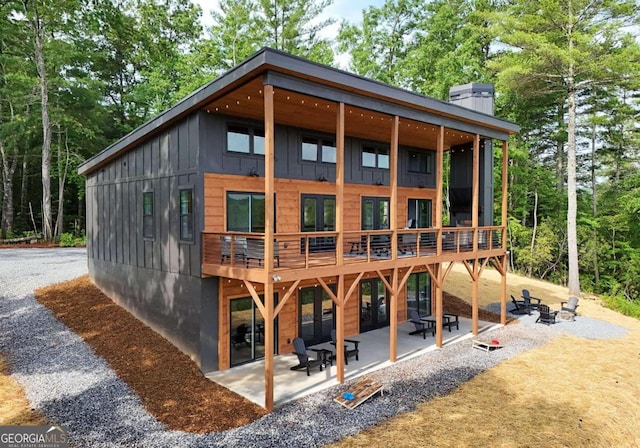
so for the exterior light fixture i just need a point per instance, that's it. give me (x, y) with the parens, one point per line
(254, 172)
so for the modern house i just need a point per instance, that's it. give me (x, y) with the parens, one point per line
(285, 199)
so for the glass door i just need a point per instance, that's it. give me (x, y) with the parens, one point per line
(319, 215)
(247, 331)
(419, 293)
(315, 315)
(374, 312)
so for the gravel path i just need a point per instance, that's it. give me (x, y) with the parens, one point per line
(64, 379)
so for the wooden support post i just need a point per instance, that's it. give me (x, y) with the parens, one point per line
(393, 185)
(505, 260)
(340, 186)
(439, 284)
(340, 330)
(268, 346)
(474, 297)
(393, 318)
(269, 219)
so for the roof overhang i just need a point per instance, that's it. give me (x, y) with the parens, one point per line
(298, 75)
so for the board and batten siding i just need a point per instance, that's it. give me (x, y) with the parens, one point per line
(157, 279)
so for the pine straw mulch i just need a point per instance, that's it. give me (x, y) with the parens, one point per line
(14, 406)
(168, 382)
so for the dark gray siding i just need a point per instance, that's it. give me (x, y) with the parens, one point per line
(157, 279)
(289, 163)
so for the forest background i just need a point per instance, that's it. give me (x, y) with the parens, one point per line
(76, 75)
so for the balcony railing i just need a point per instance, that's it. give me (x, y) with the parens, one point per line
(314, 249)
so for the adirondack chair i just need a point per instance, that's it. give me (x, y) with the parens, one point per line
(304, 360)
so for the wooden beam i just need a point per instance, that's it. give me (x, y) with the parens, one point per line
(475, 190)
(340, 185)
(255, 297)
(433, 275)
(393, 185)
(393, 318)
(465, 263)
(327, 290)
(269, 330)
(439, 184)
(340, 331)
(288, 294)
(384, 280)
(446, 273)
(474, 298)
(438, 271)
(353, 287)
(269, 188)
(482, 266)
(503, 292)
(405, 278)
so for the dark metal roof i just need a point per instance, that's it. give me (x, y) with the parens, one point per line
(270, 59)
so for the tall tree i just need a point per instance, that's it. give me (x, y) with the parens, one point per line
(568, 46)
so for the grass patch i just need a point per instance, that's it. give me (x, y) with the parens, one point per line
(622, 305)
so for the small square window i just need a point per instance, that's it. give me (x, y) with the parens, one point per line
(238, 139)
(369, 157)
(310, 150)
(383, 159)
(258, 141)
(328, 152)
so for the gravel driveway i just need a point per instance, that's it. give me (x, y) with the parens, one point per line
(64, 379)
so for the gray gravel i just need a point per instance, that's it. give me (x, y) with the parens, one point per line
(64, 379)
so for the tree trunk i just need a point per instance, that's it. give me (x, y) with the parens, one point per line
(560, 152)
(594, 204)
(63, 166)
(38, 33)
(572, 205)
(535, 229)
(8, 170)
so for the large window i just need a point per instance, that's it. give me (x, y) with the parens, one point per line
(245, 212)
(186, 214)
(421, 162)
(245, 139)
(419, 213)
(247, 331)
(318, 150)
(148, 229)
(419, 293)
(373, 157)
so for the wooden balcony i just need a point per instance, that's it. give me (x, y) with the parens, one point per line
(308, 254)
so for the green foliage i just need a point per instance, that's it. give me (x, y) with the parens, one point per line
(70, 240)
(622, 305)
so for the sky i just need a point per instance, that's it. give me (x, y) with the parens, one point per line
(340, 9)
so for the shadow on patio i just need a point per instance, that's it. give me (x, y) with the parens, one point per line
(248, 379)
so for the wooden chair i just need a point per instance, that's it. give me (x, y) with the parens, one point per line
(348, 352)
(421, 326)
(570, 306)
(520, 307)
(546, 315)
(304, 361)
(530, 301)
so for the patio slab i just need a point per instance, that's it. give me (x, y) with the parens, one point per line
(248, 379)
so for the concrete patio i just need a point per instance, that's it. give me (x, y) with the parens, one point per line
(248, 379)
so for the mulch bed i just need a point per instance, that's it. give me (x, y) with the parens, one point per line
(169, 384)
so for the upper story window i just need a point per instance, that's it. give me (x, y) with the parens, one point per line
(148, 227)
(316, 149)
(186, 214)
(421, 162)
(245, 139)
(245, 212)
(373, 157)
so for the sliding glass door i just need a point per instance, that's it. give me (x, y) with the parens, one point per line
(315, 315)
(247, 331)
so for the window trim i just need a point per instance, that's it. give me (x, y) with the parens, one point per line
(429, 162)
(378, 151)
(150, 215)
(192, 190)
(320, 142)
(251, 132)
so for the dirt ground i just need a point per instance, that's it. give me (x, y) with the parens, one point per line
(180, 397)
(169, 384)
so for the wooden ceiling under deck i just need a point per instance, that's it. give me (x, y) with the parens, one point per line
(308, 112)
